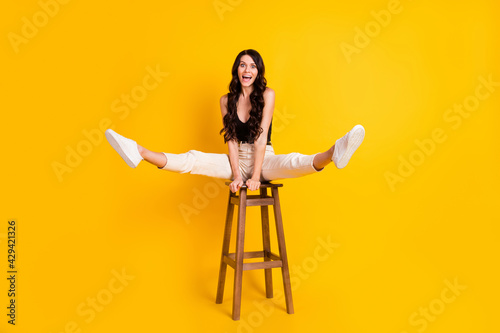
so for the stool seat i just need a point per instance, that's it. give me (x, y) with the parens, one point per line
(236, 259)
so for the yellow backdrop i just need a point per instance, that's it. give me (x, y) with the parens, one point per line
(405, 239)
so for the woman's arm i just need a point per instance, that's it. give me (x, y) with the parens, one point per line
(233, 153)
(260, 144)
(234, 160)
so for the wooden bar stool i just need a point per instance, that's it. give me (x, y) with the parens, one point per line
(271, 260)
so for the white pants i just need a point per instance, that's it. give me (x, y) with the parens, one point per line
(218, 165)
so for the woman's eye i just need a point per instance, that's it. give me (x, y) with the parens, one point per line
(242, 65)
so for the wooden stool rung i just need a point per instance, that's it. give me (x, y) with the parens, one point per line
(255, 254)
(231, 262)
(248, 255)
(274, 260)
(273, 256)
(254, 200)
(262, 265)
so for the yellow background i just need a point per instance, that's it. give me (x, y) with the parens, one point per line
(396, 245)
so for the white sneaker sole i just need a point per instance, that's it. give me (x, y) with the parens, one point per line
(355, 140)
(114, 141)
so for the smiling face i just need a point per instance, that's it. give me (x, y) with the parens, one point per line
(247, 71)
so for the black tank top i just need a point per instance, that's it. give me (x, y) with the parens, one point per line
(243, 131)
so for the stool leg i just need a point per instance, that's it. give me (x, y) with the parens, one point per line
(268, 273)
(225, 250)
(282, 249)
(240, 242)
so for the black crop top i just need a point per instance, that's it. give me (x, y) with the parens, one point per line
(243, 131)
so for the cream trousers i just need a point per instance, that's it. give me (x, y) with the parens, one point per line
(218, 165)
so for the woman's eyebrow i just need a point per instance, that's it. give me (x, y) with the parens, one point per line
(252, 63)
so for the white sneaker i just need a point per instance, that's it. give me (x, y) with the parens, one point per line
(347, 145)
(125, 147)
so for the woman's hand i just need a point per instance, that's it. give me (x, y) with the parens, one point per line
(236, 184)
(253, 184)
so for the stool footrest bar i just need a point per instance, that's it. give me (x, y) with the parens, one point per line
(254, 200)
(274, 260)
(262, 265)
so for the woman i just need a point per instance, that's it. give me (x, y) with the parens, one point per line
(247, 113)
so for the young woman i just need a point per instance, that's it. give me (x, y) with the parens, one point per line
(247, 113)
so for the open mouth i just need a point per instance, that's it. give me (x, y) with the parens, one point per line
(246, 78)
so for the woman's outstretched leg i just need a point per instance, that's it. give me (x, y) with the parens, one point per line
(321, 160)
(297, 165)
(194, 161)
(155, 158)
(126, 148)
(343, 149)
(132, 153)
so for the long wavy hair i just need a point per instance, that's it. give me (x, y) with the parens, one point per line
(256, 98)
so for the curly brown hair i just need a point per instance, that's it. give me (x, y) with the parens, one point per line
(256, 98)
